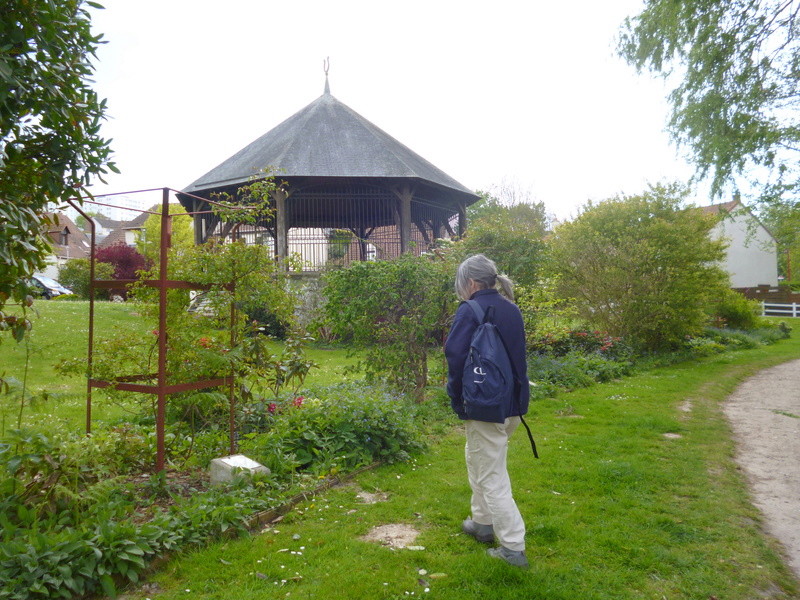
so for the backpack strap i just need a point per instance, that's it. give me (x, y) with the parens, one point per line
(530, 435)
(477, 309)
(488, 317)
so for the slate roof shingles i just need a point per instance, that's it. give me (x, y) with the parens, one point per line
(326, 139)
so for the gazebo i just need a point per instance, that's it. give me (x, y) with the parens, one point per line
(352, 192)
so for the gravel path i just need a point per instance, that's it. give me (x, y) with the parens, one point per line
(764, 413)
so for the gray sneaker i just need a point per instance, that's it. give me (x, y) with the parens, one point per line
(512, 557)
(482, 533)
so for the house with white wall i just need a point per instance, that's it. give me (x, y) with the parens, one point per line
(751, 258)
(123, 232)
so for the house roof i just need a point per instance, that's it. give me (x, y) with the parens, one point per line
(107, 222)
(327, 139)
(77, 246)
(117, 234)
(724, 208)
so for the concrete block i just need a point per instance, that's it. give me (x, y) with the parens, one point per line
(228, 468)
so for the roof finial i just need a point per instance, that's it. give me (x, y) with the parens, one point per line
(326, 64)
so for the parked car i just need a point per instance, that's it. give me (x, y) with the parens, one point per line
(48, 288)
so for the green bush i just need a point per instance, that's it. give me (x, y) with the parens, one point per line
(394, 312)
(337, 428)
(737, 339)
(642, 268)
(548, 317)
(735, 311)
(510, 233)
(575, 369)
(74, 274)
(701, 346)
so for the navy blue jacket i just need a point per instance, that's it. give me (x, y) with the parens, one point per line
(508, 319)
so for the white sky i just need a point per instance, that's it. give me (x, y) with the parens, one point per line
(526, 91)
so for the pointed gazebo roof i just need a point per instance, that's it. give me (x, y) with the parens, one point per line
(328, 139)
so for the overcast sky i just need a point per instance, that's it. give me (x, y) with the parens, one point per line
(525, 91)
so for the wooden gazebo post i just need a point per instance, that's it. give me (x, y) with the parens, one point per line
(462, 219)
(281, 230)
(404, 197)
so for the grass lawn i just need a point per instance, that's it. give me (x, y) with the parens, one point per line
(60, 331)
(615, 509)
(636, 495)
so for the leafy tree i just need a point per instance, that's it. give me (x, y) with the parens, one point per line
(397, 310)
(81, 221)
(783, 221)
(509, 234)
(127, 261)
(148, 242)
(641, 267)
(50, 142)
(74, 274)
(735, 105)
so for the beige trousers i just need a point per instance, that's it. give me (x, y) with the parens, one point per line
(492, 503)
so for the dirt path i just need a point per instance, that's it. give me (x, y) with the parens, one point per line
(764, 413)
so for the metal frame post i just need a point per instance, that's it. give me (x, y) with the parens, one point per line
(90, 348)
(166, 240)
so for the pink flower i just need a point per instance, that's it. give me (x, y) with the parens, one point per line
(298, 401)
(272, 407)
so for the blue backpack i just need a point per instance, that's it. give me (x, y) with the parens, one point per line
(489, 383)
(488, 378)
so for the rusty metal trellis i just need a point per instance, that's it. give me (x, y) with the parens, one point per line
(134, 383)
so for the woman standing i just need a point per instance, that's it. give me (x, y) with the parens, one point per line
(494, 512)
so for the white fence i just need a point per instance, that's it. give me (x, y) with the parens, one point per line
(773, 309)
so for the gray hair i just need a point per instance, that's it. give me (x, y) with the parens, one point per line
(483, 271)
